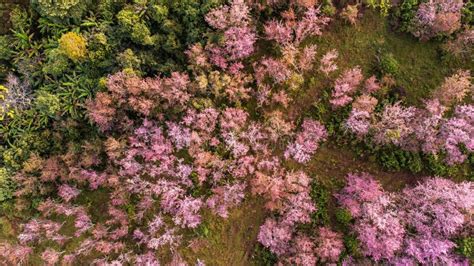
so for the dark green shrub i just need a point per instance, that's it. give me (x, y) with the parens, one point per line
(262, 256)
(343, 217)
(466, 247)
(468, 13)
(352, 245)
(404, 13)
(387, 64)
(396, 159)
(320, 196)
(5, 50)
(7, 186)
(61, 9)
(328, 8)
(437, 166)
(389, 160)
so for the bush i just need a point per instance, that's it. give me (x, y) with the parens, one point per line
(396, 159)
(328, 8)
(320, 196)
(468, 13)
(466, 247)
(387, 64)
(20, 19)
(263, 256)
(437, 19)
(462, 46)
(5, 50)
(57, 63)
(350, 13)
(128, 59)
(47, 104)
(352, 245)
(404, 13)
(343, 217)
(437, 166)
(6, 185)
(62, 9)
(73, 45)
(383, 5)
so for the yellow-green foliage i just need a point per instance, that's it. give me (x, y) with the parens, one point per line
(73, 45)
(128, 59)
(128, 17)
(159, 12)
(5, 51)
(5, 110)
(131, 21)
(14, 156)
(61, 9)
(295, 82)
(48, 104)
(6, 185)
(98, 48)
(383, 5)
(56, 63)
(19, 19)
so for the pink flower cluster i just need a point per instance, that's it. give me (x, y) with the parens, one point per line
(412, 226)
(437, 17)
(419, 129)
(455, 88)
(276, 234)
(16, 254)
(294, 29)
(394, 125)
(239, 37)
(457, 131)
(288, 195)
(276, 77)
(345, 86)
(226, 197)
(306, 142)
(327, 62)
(128, 92)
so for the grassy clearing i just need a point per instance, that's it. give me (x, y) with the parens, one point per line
(228, 241)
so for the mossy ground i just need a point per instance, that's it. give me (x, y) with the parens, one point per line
(231, 241)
